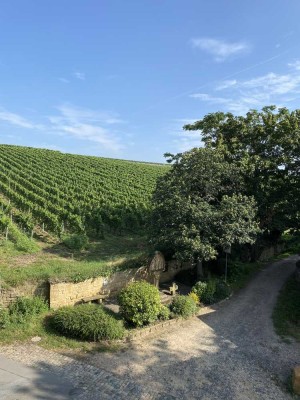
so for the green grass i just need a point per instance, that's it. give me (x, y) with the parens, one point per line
(241, 272)
(38, 326)
(286, 314)
(103, 258)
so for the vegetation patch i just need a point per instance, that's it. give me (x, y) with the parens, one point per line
(102, 258)
(183, 306)
(87, 322)
(140, 303)
(286, 315)
(211, 290)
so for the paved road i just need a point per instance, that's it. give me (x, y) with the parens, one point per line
(231, 352)
(23, 383)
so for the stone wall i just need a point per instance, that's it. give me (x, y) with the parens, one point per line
(9, 295)
(68, 293)
(269, 252)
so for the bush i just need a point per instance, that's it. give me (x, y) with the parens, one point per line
(76, 242)
(25, 308)
(164, 313)
(199, 289)
(87, 322)
(183, 306)
(194, 297)
(222, 290)
(205, 290)
(208, 295)
(140, 303)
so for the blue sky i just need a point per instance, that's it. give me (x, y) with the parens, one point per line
(117, 78)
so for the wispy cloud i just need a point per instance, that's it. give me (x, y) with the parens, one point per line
(226, 84)
(79, 75)
(17, 120)
(182, 140)
(220, 49)
(87, 124)
(241, 95)
(208, 98)
(295, 65)
(63, 80)
(99, 127)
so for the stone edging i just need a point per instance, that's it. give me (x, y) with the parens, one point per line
(161, 327)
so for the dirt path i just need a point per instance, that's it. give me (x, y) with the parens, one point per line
(232, 352)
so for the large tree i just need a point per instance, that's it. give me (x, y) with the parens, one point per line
(265, 146)
(198, 207)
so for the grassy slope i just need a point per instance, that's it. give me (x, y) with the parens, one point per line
(56, 262)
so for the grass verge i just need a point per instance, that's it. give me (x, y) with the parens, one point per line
(115, 253)
(286, 314)
(39, 326)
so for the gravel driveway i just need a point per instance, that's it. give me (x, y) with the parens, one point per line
(231, 352)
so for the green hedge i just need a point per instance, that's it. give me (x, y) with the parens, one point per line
(87, 322)
(183, 306)
(140, 303)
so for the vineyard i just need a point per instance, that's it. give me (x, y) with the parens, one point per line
(57, 193)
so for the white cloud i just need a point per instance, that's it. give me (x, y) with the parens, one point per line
(295, 65)
(79, 75)
(82, 123)
(273, 83)
(208, 98)
(220, 49)
(182, 140)
(87, 124)
(241, 95)
(17, 120)
(226, 84)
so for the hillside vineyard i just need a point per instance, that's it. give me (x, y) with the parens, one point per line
(75, 193)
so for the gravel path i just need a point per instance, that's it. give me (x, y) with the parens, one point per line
(231, 352)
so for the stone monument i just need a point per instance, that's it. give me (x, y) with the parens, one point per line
(157, 265)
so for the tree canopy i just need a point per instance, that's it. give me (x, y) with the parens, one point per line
(245, 180)
(265, 146)
(198, 207)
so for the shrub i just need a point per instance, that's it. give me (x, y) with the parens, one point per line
(76, 242)
(208, 295)
(87, 322)
(194, 297)
(183, 306)
(25, 308)
(164, 313)
(205, 290)
(199, 289)
(140, 303)
(222, 290)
